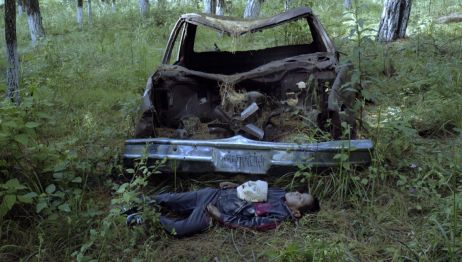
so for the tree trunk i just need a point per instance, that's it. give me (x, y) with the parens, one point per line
(252, 9)
(89, 12)
(12, 73)
(347, 4)
(209, 6)
(220, 10)
(80, 13)
(20, 7)
(144, 8)
(113, 6)
(394, 20)
(34, 19)
(287, 4)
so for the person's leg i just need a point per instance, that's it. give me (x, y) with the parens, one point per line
(187, 201)
(196, 222)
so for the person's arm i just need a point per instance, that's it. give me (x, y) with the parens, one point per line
(255, 222)
(224, 185)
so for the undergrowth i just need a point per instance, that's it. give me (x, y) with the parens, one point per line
(60, 149)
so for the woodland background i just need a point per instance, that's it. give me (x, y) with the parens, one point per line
(80, 83)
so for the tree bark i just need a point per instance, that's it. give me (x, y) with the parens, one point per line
(12, 73)
(20, 7)
(89, 12)
(287, 4)
(144, 8)
(209, 6)
(252, 9)
(80, 13)
(394, 20)
(34, 19)
(220, 10)
(347, 4)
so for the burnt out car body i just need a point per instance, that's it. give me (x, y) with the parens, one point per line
(264, 109)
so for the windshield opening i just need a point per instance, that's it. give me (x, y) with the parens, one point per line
(292, 33)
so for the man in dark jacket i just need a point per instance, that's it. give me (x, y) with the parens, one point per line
(228, 209)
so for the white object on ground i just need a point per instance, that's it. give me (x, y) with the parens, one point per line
(253, 191)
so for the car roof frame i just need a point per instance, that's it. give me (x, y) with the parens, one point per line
(237, 27)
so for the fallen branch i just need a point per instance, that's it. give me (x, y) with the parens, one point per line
(451, 18)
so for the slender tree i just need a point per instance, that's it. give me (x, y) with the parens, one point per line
(287, 4)
(209, 6)
(347, 4)
(80, 13)
(90, 12)
(252, 9)
(34, 19)
(220, 10)
(144, 7)
(394, 20)
(113, 6)
(12, 73)
(20, 7)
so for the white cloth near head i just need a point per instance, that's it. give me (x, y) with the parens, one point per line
(253, 191)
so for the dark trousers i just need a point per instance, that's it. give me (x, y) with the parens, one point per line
(193, 204)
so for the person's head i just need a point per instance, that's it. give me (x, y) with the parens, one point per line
(301, 203)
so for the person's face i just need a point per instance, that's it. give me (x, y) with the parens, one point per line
(296, 200)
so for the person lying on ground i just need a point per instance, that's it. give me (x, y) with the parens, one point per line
(224, 206)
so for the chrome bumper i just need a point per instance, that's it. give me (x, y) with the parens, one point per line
(241, 155)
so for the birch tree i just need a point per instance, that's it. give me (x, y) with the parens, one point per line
(394, 20)
(20, 7)
(12, 72)
(80, 13)
(252, 9)
(89, 12)
(287, 4)
(347, 4)
(144, 7)
(209, 6)
(34, 20)
(220, 10)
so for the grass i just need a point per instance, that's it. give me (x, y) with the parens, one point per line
(82, 89)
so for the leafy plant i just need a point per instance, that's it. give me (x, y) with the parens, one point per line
(128, 195)
(13, 193)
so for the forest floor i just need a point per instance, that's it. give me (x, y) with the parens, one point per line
(81, 91)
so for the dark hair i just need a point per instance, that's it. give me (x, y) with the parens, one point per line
(313, 208)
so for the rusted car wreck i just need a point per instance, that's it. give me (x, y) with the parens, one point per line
(253, 111)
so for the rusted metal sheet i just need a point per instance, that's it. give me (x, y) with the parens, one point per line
(241, 155)
(239, 26)
(237, 111)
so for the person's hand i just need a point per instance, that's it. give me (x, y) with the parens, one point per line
(224, 185)
(213, 211)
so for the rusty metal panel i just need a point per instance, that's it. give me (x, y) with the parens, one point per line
(242, 155)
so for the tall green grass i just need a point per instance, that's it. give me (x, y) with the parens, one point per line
(81, 90)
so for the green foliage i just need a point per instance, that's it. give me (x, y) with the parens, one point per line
(313, 250)
(112, 227)
(13, 192)
(81, 91)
